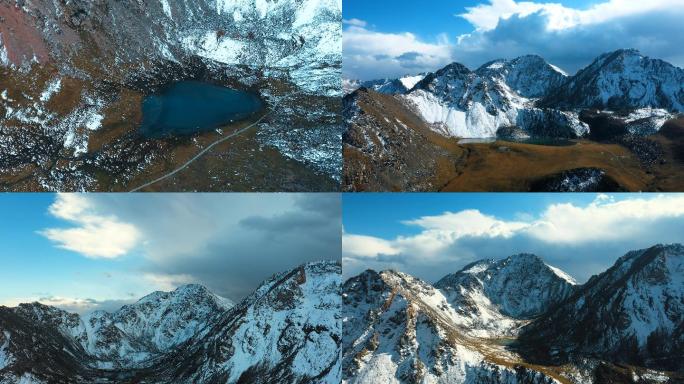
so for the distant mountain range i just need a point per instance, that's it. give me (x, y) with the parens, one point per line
(528, 97)
(288, 330)
(519, 320)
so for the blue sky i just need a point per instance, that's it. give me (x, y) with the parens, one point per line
(99, 251)
(424, 18)
(385, 38)
(430, 235)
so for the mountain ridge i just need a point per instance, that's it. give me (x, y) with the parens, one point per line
(402, 330)
(529, 93)
(292, 316)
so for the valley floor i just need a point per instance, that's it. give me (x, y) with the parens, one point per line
(450, 166)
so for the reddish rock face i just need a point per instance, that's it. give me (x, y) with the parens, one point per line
(20, 37)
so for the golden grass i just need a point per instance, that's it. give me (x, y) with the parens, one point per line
(507, 166)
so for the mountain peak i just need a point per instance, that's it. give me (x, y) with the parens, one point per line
(622, 80)
(627, 52)
(638, 303)
(525, 257)
(521, 285)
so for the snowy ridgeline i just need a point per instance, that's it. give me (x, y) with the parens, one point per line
(288, 327)
(398, 329)
(538, 97)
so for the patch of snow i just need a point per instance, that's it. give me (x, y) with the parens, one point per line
(5, 357)
(166, 7)
(562, 275)
(557, 69)
(4, 57)
(477, 268)
(411, 81)
(52, 87)
(496, 65)
(94, 121)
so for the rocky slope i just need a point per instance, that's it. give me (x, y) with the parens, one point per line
(622, 80)
(289, 329)
(72, 75)
(633, 313)
(386, 146)
(399, 329)
(466, 328)
(518, 287)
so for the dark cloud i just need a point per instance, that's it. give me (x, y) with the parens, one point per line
(228, 242)
(657, 34)
(233, 264)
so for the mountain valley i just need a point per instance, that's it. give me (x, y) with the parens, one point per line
(518, 320)
(611, 114)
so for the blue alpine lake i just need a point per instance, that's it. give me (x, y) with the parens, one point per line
(189, 107)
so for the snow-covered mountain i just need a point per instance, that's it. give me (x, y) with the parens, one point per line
(529, 76)
(539, 99)
(461, 103)
(466, 328)
(387, 86)
(399, 329)
(138, 332)
(622, 80)
(498, 292)
(288, 329)
(632, 313)
(296, 36)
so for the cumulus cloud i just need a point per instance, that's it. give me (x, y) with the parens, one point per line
(95, 235)
(371, 54)
(583, 240)
(572, 39)
(567, 37)
(487, 15)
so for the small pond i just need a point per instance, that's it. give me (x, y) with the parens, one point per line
(190, 107)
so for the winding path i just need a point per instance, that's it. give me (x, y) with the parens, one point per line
(212, 145)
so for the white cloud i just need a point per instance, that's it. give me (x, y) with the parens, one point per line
(583, 238)
(369, 54)
(168, 282)
(604, 219)
(470, 222)
(227, 242)
(95, 235)
(487, 16)
(571, 38)
(354, 22)
(367, 246)
(567, 36)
